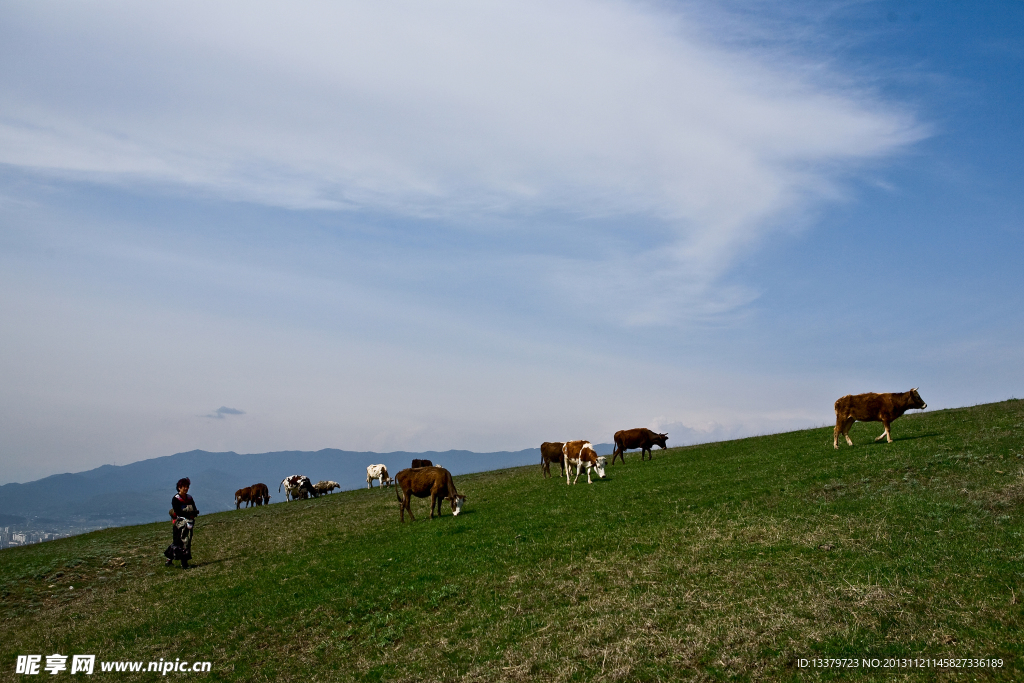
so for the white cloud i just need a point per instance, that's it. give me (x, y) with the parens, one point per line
(485, 115)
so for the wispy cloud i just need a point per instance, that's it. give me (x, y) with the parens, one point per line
(618, 126)
(224, 410)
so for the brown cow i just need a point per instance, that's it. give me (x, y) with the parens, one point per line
(421, 463)
(260, 494)
(641, 438)
(882, 408)
(551, 452)
(421, 482)
(243, 496)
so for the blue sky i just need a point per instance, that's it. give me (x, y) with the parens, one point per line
(446, 225)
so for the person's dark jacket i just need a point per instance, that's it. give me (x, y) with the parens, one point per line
(184, 508)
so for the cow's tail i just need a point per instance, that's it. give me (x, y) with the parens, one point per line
(397, 494)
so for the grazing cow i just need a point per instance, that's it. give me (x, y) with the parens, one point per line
(297, 486)
(582, 454)
(641, 438)
(421, 482)
(243, 496)
(551, 452)
(323, 487)
(260, 494)
(882, 408)
(421, 463)
(380, 473)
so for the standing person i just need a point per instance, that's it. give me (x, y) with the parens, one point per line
(183, 514)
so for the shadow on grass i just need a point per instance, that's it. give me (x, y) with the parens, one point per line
(878, 444)
(192, 565)
(918, 436)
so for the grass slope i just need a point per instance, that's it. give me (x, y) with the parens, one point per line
(724, 561)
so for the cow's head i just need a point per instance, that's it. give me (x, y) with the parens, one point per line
(660, 440)
(457, 502)
(600, 461)
(916, 401)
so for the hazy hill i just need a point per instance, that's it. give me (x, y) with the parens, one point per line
(115, 495)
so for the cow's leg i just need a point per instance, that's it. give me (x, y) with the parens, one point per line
(565, 468)
(845, 430)
(616, 453)
(435, 500)
(588, 475)
(836, 432)
(579, 468)
(407, 505)
(885, 434)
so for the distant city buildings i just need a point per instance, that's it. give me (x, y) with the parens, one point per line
(10, 538)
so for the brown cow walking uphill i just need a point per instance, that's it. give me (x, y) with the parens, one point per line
(882, 408)
(641, 438)
(551, 452)
(435, 482)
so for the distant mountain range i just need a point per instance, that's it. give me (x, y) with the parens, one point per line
(118, 495)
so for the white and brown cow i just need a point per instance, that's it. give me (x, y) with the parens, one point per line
(882, 408)
(421, 482)
(297, 486)
(378, 473)
(582, 454)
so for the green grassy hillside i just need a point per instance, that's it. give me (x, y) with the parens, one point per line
(725, 561)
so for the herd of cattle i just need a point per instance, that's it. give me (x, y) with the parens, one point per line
(425, 478)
